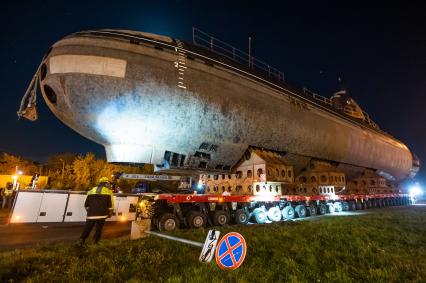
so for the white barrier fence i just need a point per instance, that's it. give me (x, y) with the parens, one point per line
(64, 206)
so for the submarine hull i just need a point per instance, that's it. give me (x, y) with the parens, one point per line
(146, 103)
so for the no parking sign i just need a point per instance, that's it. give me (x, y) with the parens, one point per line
(231, 251)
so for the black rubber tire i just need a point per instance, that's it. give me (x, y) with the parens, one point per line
(322, 209)
(241, 217)
(338, 206)
(259, 215)
(352, 206)
(220, 218)
(312, 209)
(367, 204)
(274, 214)
(288, 212)
(300, 211)
(168, 222)
(196, 219)
(345, 206)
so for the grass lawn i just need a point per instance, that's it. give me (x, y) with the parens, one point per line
(385, 245)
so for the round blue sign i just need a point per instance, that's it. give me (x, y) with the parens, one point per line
(231, 251)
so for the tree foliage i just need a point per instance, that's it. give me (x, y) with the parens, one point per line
(9, 163)
(67, 171)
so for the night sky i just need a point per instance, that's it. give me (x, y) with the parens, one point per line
(379, 50)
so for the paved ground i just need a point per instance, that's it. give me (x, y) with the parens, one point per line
(21, 235)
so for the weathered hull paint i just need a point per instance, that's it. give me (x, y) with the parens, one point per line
(165, 104)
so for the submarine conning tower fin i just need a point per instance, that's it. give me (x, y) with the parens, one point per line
(342, 101)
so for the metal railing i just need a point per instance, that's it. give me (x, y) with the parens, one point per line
(317, 96)
(202, 39)
(205, 40)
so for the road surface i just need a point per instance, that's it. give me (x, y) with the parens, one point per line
(20, 235)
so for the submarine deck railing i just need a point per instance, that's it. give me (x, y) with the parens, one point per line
(205, 40)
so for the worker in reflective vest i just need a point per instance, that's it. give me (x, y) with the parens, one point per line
(99, 205)
(8, 196)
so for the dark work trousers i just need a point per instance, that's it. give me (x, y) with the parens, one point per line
(99, 223)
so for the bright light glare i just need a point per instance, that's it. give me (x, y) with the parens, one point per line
(415, 190)
(200, 184)
(123, 218)
(17, 217)
(20, 172)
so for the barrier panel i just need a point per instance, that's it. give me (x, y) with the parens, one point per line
(63, 206)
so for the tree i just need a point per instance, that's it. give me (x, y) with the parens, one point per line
(9, 162)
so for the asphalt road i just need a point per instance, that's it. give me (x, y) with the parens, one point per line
(14, 236)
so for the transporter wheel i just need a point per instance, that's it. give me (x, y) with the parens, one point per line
(367, 204)
(241, 217)
(288, 212)
(274, 214)
(300, 211)
(196, 219)
(312, 209)
(352, 206)
(322, 209)
(168, 222)
(345, 206)
(260, 216)
(330, 208)
(338, 206)
(220, 218)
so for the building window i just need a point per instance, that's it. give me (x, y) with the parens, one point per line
(269, 172)
(257, 188)
(313, 179)
(249, 188)
(215, 188)
(270, 188)
(314, 190)
(259, 172)
(323, 178)
(289, 173)
(239, 174)
(223, 188)
(282, 173)
(277, 173)
(238, 188)
(229, 189)
(215, 177)
(328, 190)
(277, 188)
(249, 174)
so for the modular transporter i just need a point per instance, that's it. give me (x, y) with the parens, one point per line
(258, 144)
